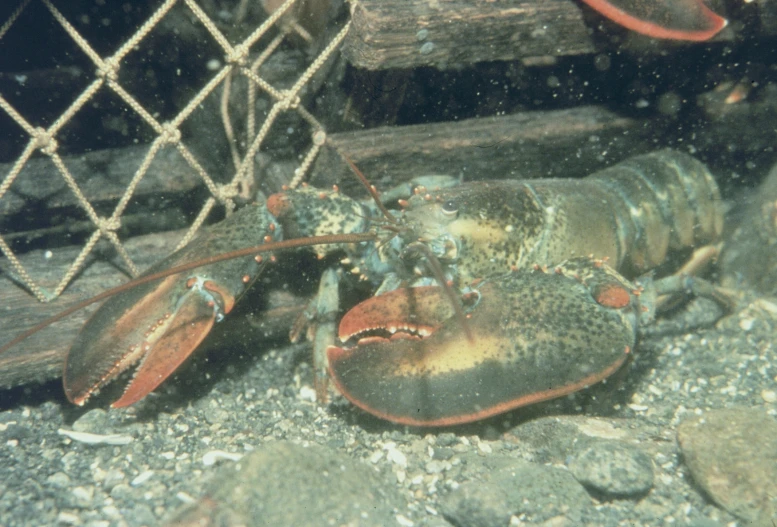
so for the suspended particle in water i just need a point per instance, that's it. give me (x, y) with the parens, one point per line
(602, 62)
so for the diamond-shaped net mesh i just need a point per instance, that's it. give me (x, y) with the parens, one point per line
(241, 60)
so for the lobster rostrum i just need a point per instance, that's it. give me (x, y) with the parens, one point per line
(529, 334)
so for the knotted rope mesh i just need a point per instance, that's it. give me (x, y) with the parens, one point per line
(242, 59)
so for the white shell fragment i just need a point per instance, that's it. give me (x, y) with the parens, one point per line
(142, 478)
(210, 458)
(96, 439)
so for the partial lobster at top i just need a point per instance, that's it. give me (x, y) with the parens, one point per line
(487, 295)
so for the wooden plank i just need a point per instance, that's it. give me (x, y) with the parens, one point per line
(561, 143)
(102, 175)
(446, 34)
(41, 356)
(449, 34)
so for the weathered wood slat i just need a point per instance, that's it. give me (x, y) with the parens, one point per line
(41, 356)
(102, 175)
(451, 33)
(412, 33)
(561, 143)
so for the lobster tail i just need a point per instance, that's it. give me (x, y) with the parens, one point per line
(670, 202)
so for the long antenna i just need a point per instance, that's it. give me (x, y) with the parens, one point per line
(248, 251)
(370, 188)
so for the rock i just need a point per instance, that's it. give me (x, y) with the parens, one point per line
(517, 488)
(732, 456)
(612, 468)
(94, 422)
(283, 483)
(750, 253)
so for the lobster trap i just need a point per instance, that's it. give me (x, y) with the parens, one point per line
(131, 126)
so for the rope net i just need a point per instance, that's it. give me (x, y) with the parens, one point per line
(267, 102)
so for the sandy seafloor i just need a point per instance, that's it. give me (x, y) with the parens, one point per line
(254, 401)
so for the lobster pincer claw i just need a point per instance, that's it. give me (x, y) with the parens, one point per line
(672, 19)
(159, 324)
(537, 336)
(143, 327)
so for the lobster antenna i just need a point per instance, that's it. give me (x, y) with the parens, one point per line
(248, 251)
(439, 275)
(370, 188)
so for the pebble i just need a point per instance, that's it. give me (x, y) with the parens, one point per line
(517, 488)
(142, 478)
(732, 455)
(144, 515)
(68, 518)
(447, 439)
(112, 478)
(82, 497)
(121, 491)
(311, 485)
(612, 468)
(214, 456)
(770, 396)
(94, 422)
(59, 480)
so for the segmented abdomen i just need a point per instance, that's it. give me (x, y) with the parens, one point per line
(645, 209)
(636, 213)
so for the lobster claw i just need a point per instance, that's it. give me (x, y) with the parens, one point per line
(671, 19)
(537, 336)
(159, 325)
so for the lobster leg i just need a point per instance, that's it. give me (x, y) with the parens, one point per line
(671, 289)
(320, 320)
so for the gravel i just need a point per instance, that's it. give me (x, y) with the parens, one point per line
(607, 456)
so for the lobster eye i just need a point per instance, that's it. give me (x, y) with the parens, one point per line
(450, 208)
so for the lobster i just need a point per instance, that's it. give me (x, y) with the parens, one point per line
(538, 334)
(466, 320)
